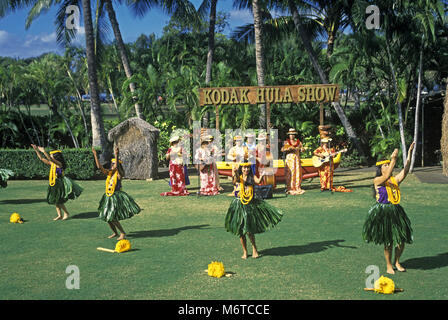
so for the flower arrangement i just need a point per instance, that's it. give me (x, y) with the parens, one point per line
(123, 245)
(384, 285)
(216, 269)
(15, 218)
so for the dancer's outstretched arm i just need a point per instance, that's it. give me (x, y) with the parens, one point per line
(403, 173)
(40, 156)
(386, 175)
(97, 162)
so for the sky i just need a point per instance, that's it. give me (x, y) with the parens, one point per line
(17, 42)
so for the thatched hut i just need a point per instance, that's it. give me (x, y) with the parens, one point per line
(137, 142)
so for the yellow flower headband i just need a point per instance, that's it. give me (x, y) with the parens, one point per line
(55, 151)
(115, 160)
(245, 164)
(379, 163)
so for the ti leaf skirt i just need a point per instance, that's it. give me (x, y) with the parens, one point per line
(63, 190)
(117, 207)
(387, 224)
(257, 216)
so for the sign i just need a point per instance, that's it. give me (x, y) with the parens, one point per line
(269, 94)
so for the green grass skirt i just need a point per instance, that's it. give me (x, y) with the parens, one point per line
(4, 176)
(117, 207)
(387, 224)
(257, 216)
(63, 190)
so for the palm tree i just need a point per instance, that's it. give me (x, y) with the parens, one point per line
(257, 7)
(322, 75)
(444, 139)
(98, 133)
(427, 14)
(122, 50)
(211, 44)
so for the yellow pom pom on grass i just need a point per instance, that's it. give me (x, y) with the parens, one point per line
(123, 245)
(15, 218)
(216, 269)
(384, 285)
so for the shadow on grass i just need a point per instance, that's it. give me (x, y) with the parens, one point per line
(85, 215)
(427, 263)
(22, 201)
(312, 247)
(163, 232)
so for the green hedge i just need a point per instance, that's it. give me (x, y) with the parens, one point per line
(26, 165)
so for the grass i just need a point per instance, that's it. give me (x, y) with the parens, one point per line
(316, 252)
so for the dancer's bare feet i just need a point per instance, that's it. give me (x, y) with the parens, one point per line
(112, 236)
(244, 256)
(65, 217)
(57, 218)
(255, 255)
(121, 237)
(390, 269)
(399, 267)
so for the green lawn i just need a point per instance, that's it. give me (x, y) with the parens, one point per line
(316, 252)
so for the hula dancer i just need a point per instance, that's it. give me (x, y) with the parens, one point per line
(387, 222)
(4, 176)
(249, 215)
(115, 205)
(60, 188)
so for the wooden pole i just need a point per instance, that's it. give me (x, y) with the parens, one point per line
(217, 117)
(268, 115)
(321, 114)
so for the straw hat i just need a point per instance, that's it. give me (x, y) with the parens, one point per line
(291, 131)
(262, 136)
(326, 140)
(237, 138)
(174, 138)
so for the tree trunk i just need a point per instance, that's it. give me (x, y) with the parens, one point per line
(313, 57)
(399, 108)
(122, 50)
(98, 133)
(259, 57)
(211, 51)
(444, 139)
(83, 115)
(417, 107)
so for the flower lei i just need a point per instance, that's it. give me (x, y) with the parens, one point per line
(52, 176)
(111, 182)
(245, 197)
(393, 191)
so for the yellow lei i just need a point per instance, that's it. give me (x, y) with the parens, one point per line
(393, 191)
(245, 197)
(111, 182)
(52, 176)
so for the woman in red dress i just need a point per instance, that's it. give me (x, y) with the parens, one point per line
(176, 168)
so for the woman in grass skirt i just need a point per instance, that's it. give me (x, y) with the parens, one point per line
(60, 188)
(4, 176)
(115, 205)
(387, 222)
(247, 214)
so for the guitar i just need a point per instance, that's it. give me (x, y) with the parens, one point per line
(318, 161)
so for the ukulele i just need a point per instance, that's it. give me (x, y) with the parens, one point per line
(318, 161)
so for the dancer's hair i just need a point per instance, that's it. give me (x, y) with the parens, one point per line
(59, 157)
(250, 176)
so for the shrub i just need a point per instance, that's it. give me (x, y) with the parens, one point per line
(25, 164)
